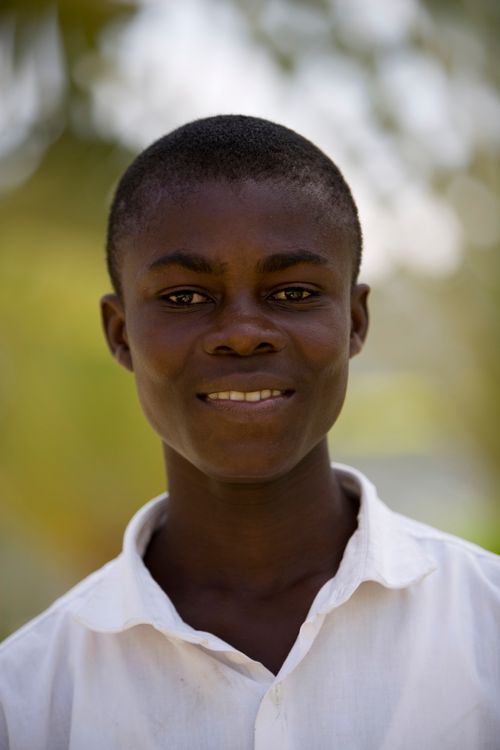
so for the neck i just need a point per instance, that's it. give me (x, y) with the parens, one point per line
(262, 538)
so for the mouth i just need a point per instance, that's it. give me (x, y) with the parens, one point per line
(252, 396)
(267, 396)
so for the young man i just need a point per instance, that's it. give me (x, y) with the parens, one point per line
(271, 600)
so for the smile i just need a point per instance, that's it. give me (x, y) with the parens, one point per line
(253, 396)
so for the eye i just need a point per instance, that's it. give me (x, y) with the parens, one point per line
(185, 298)
(293, 294)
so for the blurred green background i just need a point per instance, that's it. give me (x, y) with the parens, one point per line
(403, 94)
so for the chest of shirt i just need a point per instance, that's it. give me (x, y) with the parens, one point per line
(374, 673)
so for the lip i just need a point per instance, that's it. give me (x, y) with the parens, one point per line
(246, 383)
(248, 407)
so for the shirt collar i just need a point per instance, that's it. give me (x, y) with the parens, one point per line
(124, 594)
(382, 549)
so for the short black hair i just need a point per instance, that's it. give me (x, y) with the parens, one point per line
(225, 147)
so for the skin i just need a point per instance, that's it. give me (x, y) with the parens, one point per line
(243, 287)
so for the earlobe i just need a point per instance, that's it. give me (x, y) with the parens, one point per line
(359, 318)
(115, 331)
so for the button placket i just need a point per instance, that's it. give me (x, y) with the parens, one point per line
(276, 694)
(270, 722)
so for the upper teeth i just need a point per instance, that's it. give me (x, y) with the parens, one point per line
(244, 396)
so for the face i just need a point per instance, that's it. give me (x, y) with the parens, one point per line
(238, 320)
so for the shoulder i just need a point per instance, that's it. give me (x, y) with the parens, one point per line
(465, 573)
(449, 546)
(38, 632)
(37, 669)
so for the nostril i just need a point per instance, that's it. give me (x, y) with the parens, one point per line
(243, 338)
(244, 348)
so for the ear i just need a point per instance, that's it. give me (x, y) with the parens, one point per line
(359, 318)
(113, 321)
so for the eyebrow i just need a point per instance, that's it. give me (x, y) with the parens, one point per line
(282, 261)
(191, 261)
(270, 264)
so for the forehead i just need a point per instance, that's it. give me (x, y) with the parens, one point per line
(221, 217)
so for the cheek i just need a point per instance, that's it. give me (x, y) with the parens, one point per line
(327, 354)
(159, 357)
(159, 351)
(324, 344)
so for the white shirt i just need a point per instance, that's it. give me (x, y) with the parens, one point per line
(399, 651)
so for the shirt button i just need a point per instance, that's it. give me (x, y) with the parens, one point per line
(276, 694)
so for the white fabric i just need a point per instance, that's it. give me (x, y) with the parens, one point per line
(400, 650)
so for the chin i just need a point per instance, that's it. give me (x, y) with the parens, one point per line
(258, 472)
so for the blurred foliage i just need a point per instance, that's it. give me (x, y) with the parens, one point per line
(77, 457)
(82, 18)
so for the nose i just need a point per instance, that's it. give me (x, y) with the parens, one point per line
(243, 331)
